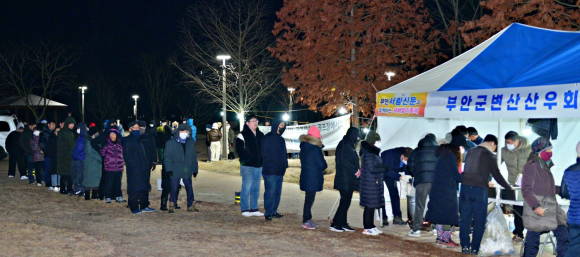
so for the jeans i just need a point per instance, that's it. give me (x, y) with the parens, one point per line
(532, 244)
(368, 218)
(13, 160)
(573, 241)
(394, 195)
(421, 192)
(30, 168)
(308, 202)
(78, 174)
(138, 200)
(175, 189)
(251, 177)
(46, 175)
(340, 217)
(473, 206)
(272, 193)
(39, 168)
(55, 180)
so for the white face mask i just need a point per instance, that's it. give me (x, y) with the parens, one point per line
(404, 162)
(151, 125)
(183, 136)
(511, 147)
(36, 133)
(78, 131)
(461, 150)
(378, 144)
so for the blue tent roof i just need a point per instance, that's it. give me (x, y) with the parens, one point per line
(522, 56)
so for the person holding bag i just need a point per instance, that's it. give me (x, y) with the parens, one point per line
(541, 210)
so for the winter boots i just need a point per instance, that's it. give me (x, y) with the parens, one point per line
(163, 203)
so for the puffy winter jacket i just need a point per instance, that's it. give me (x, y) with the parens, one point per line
(516, 160)
(79, 153)
(274, 152)
(37, 155)
(422, 161)
(347, 162)
(371, 178)
(443, 206)
(113, 156)
(571, 190)
(312, 164)
(248, 147)
(214, 135)
(193, 129)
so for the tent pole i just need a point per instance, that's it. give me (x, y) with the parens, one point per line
(500, 141)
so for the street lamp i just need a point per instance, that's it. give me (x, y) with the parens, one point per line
(291, 104)
(135, 107)
(389, 74)
(224, 118)
(286, 117)
(83, 88)
(342, 110)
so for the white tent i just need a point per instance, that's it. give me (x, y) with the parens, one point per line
(522, 72)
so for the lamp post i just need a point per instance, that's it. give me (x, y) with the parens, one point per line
(135, 107)
(224, 116)
(291, 104)
(389, 74)
(83, 88)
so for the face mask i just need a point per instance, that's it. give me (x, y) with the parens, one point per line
(151, 125)
(142, 130)
(79, 131)
(546, 155)
(511, 147)
(461, 150)
(136, 133)
(36, 133)
(281, 130)
(404, 162)
(183, 136)
(378, 144)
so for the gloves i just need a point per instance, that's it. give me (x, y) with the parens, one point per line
(195, 175)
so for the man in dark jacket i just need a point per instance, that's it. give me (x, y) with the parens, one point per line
(137, 169)
(479, 163)
(275, 158)
(422, 168)
(181, 164)
(49, 153)
(79, 155)
(395, 160)
(148, 141)
(248, 144)
(24, 142)
(473, 136)
(346, 180)
(571, 190)
(65, 143)
(16, 153)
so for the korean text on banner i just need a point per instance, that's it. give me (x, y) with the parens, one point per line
(332, 131)
(559, 101)
(401, 104)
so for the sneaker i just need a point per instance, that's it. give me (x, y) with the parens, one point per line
(347, 228)
(80, 193)
(277, 215)
(379, 231)
(434, 232)
(247, 214)
(414, 233)
(449, 244)
(171, 209)
(268, 217)
(517, 239)
(38, 184)
(56, 189)
(137, 212)
(108, 200)
(399, 221)
(148, 210)
(120, 200)
(309, 225)
(257, 214)
(385, 223)
(336, 228)
(10, 176)
(50, 188)
(466, 251)
(23, 177)
(474, 252)
(370, 232)
(313, 223)
(192, 209)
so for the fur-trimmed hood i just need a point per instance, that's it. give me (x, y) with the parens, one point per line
(311, 140)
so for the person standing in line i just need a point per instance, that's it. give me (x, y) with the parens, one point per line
(181, 164)
(65, 144)
(160, 139)
(93, 166)
(571, 190)
(24, 142)
(148, 141)
(98, 143)
(248, 144)
(480, 162)
(214, 136)
(346, 180)
(37, 154)
(275, 158)
(443, 207)
(371, 183)
(16, 153)
(54, 177)
(473, 135)
(192, 130)
(515, 155)
(79, 155)
(396, 162)
(113, 164)
(207, 142)
(49, 153)
(231, 140)
(422, 168)
(312, 165)
(538, 183)
(138, 170)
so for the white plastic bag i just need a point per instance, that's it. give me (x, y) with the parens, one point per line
(497, 238)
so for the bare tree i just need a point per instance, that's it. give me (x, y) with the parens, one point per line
(42, 70)
(198, 109)
(105, 99)
(156, 77)
(452, 14)
(241, 30)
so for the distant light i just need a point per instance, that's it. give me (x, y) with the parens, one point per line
(291, 90)
(286, 117)
(389, 74)
(527, 132)
(366, 130)
(223, 57)
(83, 88)
(135, 97)
(241, 116)
(342, 110)
(222, 113)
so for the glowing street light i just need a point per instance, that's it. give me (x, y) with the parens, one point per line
(286, 117)
(389, 74)
(83, 88)
(222, 113)
(366, 130)
(342, 110)
(135, 107)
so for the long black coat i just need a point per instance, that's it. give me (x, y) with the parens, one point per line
(274, 153)
(148, 141)
(443, 207)
(371, 178)
(422, 161)
(136, 164)
(12, 144)
(312, 164)
(347, 162)
(65, 143)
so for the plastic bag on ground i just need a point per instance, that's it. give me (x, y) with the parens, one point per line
(497, 238)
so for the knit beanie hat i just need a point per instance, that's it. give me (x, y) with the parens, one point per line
(93, 130)
(314, 131)
(114, 129)
(578, 149)
(541, 144)
(372, 137)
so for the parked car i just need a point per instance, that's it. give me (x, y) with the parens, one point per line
(8, 124)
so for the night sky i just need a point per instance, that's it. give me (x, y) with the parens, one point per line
(109, 35)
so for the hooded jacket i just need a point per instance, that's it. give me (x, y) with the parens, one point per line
(516, 160)
(274, 153)
(193, 130)
(443, 206)
(312, 164)
(371, 178)
(180, 160)
(347, 162)
(112, 154)
(79, 153)
(248, 147)
(101, 140)
(93, 165)
(24, 140)
(422, 161)
(65, 144)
